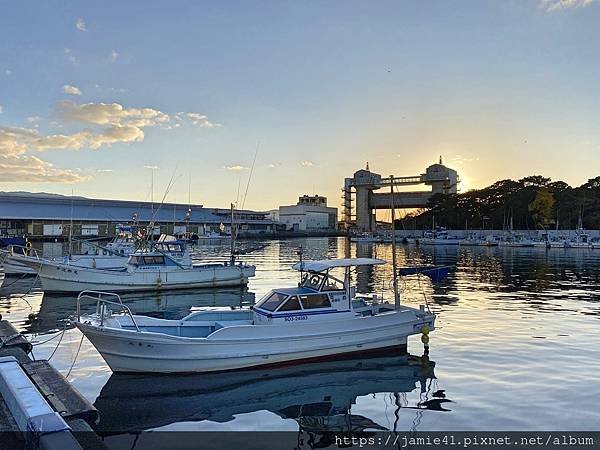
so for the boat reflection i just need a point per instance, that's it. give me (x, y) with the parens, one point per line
(56, 308)
(318, 396)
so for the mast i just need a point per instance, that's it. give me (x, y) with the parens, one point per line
(71, 228)
(232, 241)
(394, 263)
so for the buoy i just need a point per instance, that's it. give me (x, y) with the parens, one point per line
(31, 316)
(425, 329)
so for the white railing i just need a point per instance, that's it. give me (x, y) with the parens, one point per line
(101, 303)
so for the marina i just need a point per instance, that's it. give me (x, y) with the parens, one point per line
(303, 225)
(541, 305)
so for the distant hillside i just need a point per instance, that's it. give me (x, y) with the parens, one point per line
(533, 202)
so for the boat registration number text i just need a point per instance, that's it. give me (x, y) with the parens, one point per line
(294, 318)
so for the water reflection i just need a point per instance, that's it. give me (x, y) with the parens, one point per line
(319, 397)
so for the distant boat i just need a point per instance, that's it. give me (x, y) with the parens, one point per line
(516, 239)
(368, 238)
(438, 236)
(321, 318)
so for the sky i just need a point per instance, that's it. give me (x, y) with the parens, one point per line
(259, 102)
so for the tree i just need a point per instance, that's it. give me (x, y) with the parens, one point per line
(542, 207)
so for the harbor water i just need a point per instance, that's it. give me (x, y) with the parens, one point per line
(517, 347)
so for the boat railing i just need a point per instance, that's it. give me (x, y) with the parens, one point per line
(25, 251)
(101, 302)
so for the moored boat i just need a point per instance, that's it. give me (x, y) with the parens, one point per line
(165, 265)
(439, 236)
(321, 318)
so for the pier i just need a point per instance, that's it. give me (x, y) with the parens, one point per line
(38, 407)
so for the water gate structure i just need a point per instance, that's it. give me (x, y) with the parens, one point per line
(360, 199)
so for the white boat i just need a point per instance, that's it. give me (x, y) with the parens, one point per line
(367, 238)
(595, 244)
(516, 239)
(167, 265)
(439, 236)
(558, 242)
(580, 240)
(321, 318)
(17, 260)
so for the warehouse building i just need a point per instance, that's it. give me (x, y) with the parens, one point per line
(311, 213)
(42, 216)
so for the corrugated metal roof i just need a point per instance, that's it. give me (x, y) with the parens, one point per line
(25, 206)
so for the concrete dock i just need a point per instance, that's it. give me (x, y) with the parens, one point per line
(39, 409)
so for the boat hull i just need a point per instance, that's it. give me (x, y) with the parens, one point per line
(131, 351)
(64, 278)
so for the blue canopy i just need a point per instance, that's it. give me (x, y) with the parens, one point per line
(436, 273)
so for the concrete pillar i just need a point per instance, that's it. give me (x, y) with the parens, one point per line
(363, 209)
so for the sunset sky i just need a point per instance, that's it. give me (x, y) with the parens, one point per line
(96, 96)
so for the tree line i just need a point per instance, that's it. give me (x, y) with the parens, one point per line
(533, 202)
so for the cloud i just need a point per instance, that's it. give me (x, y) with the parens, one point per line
(201, 120)
(1, 109)
(103, 125)
(113, 56)
(72, 90)
(7, 72)
(80, 24)
(70, 56)
(151, 167)
(30, 169)
(236, 168)
(270, 166)
(14, 140)
(556, 5)
(110, 114)
(104, 170)
(307, 163)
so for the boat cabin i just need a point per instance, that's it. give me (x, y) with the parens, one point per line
(142, 260)
(320, 294)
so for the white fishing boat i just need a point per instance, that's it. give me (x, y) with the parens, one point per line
(166, 265)
(20, 260)
(321, 318)
(470, 240)
(516, 239)
(582, 239)
(367, 238)
(559, 241)
(439, 236)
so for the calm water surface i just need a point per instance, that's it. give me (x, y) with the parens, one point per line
(517, 347)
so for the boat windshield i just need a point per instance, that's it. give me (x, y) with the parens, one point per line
(313, 280)
(272, 302)
(322, 282)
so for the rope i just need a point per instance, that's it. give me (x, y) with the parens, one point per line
(47, 340)
(4, 286)
(76, 355)
(57, 345)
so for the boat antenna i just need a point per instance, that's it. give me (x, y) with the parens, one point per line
(300, 255)
(71, 228)
(232, 240)
(250, 175)
(394, 262)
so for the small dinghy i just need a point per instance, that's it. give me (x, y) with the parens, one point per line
(321, 318)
